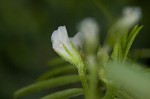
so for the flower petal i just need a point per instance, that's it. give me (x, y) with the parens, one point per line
(131, 16)
(77, 41)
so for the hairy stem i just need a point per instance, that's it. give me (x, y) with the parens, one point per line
(82, 75)
(93, 82)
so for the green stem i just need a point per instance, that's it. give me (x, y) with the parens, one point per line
(82, 75)
(93, 82)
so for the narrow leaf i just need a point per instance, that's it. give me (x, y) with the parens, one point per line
(58, 71)
(132, 31)
(39, 86)
(137, 56)
(111, 91)
(64, 94)
(130, 40)
(117, 51)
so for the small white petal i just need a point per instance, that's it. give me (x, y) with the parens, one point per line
(54, 37)
(59, 38)
(77, 41)
(89, 28)
(63, 36)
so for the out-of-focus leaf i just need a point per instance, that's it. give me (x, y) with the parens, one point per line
(58, 71)
(131, 80)
(117, 51)
(123, 95)
(130, 39)
(65, 94)
(138, 55)
(111, 91)
(39, 86)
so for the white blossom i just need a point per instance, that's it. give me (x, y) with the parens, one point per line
(90, 34)
(89, 28)
(131, 16)
(60, 39)
(64, 46)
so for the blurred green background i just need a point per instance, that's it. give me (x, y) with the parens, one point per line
(26, 27)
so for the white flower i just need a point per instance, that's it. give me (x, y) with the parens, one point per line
(60, 39)
(64, 47)
(89, 28)
(131, 16)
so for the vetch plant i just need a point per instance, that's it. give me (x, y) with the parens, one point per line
(101, 68)
(67, 50)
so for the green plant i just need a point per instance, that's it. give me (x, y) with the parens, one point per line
(85, 53)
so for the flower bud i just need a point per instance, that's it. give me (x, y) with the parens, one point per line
(89, 29)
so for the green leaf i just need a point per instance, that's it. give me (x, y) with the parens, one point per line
(111, 91)
(124, 40)
(117, 51)
(51, 83)
(123, 95)
(133, 30)
(137, 56)
(58, 71)
(131, 80)
(64, 94)
(130, 39)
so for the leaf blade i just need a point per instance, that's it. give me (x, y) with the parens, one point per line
(131, 39)
(64, 94)
(57, 71)
(39, 86)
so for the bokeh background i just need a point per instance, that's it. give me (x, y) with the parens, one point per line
(26, 27)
